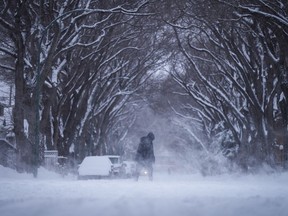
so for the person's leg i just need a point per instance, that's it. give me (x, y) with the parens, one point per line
(150, 170)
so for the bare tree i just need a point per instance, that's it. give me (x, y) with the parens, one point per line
(229, 75)
(69, 67)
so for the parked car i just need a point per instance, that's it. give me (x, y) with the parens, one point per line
(95, 167)
(128, 169)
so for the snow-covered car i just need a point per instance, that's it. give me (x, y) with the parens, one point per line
(99, 167)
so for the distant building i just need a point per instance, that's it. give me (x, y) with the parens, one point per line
(6, 109)
(6, 122)
(7, 137)
(6, 118)
(7, 154)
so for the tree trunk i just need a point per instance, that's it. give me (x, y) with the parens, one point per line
(21, 141)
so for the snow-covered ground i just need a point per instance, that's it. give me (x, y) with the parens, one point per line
(167, 195)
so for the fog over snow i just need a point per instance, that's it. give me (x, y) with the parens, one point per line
(169, 195)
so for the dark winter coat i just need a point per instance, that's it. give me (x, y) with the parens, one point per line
(145, 151)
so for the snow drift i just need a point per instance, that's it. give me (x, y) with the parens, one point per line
(168, 195)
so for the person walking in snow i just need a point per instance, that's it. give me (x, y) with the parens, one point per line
(145, 157)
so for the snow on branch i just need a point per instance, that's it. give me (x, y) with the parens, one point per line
(7, 67)
(278, 17)
(192, 134)
(8, 51)
(195, 120)
(6, 24)
(57, 70)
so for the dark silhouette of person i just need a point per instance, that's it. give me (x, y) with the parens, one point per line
(145, 156)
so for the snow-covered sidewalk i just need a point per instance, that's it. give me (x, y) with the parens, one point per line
(169, 195)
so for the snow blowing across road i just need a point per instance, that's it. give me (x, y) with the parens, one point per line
(167, 195)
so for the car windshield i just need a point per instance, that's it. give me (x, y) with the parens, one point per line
(114, 160)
